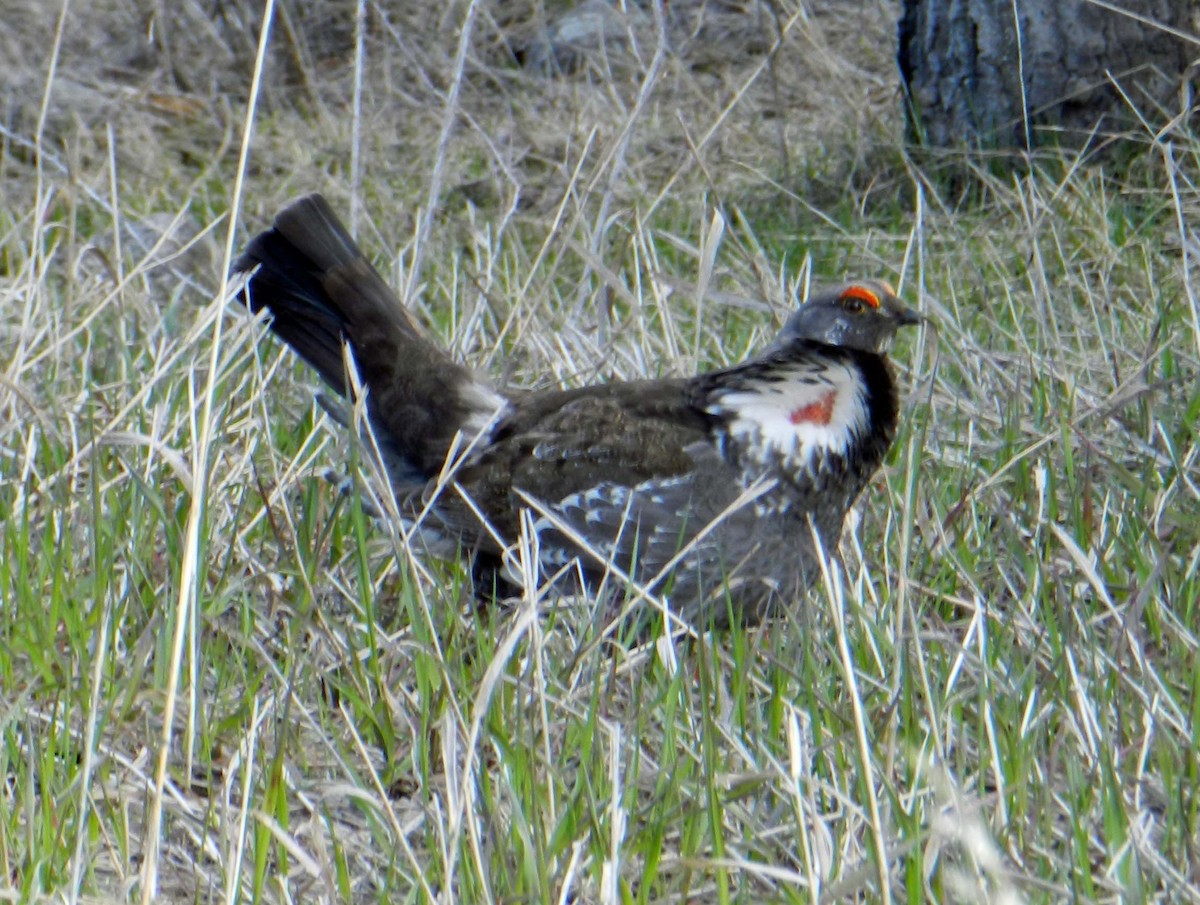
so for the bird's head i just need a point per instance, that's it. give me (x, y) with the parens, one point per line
(862, 315)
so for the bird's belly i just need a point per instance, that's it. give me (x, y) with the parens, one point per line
(711, 548)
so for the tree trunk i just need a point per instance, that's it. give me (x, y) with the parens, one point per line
(1019, 73)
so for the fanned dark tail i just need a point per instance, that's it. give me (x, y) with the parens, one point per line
(322, 292)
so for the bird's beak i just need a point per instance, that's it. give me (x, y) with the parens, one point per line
(906, 317)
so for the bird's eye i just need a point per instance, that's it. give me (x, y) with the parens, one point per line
(857, 299)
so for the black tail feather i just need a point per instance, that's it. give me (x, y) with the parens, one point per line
(322, 293)
(289, 264)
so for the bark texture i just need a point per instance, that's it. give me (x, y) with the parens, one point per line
(1017, 73)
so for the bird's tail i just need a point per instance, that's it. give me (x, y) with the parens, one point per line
(322, 293)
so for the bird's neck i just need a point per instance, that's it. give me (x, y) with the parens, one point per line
(802, 413)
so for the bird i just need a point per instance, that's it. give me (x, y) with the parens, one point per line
(715, 495)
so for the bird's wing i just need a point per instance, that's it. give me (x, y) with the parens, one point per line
(557, 448)
(643, 529)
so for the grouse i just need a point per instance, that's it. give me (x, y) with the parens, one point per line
(712, 492)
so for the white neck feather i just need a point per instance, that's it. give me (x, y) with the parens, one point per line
(805, 412)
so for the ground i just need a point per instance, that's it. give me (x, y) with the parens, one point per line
(223, 678)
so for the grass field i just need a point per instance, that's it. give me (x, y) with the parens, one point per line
(221, 679)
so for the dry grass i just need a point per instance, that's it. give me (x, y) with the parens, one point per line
(220, 679)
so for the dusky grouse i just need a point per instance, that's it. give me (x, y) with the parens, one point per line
(704, 490)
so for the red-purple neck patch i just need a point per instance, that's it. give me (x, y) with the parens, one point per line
(819, 412)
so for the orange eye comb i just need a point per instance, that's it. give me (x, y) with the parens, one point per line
(863, 294)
